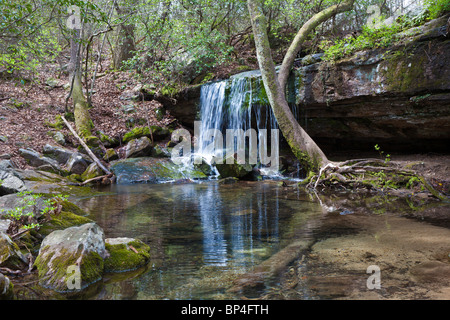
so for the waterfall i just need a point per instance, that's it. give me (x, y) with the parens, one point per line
(236, 103)
(239, 103)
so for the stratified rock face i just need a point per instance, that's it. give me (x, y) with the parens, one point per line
(396, 97)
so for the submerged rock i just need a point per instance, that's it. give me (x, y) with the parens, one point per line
(72, 259)
(152, 170)
(125, 254)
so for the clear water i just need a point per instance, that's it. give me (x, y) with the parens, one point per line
(202, 235)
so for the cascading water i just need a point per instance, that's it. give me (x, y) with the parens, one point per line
(239, 103)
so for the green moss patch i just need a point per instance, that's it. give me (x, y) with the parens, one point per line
(125, 254)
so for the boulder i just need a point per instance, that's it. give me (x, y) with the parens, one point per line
(141, 147)
(110, 155)
(10, 182)
(157, 133)
(72, 259)
(61, 155)
(125, 254)
(152, 170)
(91, 172)
(10, 255)
(234, 169)
(39, 161)
(59, 138)
(6, 288)
(77, 163)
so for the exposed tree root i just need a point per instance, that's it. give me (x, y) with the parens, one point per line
(369, 174)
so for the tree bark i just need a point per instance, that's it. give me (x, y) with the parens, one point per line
(83, 120)
(306, 29)
(302, 145)
(125, 40)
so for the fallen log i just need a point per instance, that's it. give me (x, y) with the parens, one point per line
(270, 267)
(90, 153)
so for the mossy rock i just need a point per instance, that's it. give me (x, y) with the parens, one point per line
(91, 172)
(157, 133)
(63, 220)
(10, 255)
(71, 259)
(107, 140)
(125, 254)
(110, 155)
(57, 124)
(233, 169)
(136, 133)
(6, 288)
(92, 141)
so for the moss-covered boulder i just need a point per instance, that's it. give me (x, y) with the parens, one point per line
(152, 170)
(10, 255)
(231, 168)
(6, 288)
(110, 155)
(70, 215)
(91, 172)
(157, 133)
(71, 259)
(125, 254)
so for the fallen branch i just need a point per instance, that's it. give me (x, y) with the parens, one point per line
(94, 179)
(91, 154)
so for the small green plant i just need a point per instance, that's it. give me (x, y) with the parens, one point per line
(25, 214)
(387, 158)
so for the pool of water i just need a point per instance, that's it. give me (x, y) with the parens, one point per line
(202, 235)
(208, 240)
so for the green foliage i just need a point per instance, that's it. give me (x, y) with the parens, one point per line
(30, 32)
(437, 7)
(370, 38)
(381, 152)
(381, 35)
(27, 207)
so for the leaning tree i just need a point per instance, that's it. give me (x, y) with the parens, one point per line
(367, 173)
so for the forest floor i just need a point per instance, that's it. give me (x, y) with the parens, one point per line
(25, 110)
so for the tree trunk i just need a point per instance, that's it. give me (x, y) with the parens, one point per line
(83, 120)
(303, 146)
(309, 26)
(125, 40)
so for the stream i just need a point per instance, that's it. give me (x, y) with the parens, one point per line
(205, 235)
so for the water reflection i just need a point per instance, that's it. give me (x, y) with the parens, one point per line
(198, 232)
